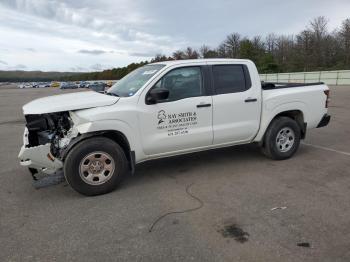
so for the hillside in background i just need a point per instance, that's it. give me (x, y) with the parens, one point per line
(38, 76)
(33, 76)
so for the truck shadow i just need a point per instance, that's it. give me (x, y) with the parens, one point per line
(177, 166)
(211, 162)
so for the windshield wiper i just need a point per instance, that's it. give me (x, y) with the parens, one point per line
(111, 94)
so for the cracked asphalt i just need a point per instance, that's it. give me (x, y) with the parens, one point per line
(238, 187)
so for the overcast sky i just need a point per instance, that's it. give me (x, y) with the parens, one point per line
(90, 35)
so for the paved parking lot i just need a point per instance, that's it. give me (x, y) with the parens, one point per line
(234, 191)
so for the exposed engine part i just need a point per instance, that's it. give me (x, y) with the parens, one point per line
(55, 129)
(62, 143)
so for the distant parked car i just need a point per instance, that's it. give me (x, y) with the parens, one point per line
(110, 83)
(68, 85)
(25, 85)
(83, 84)
(98, 86)
(55, 84)
(43, 85)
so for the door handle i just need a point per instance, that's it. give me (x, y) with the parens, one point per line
(204, 105)
(248, 100)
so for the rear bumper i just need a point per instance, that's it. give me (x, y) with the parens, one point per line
(324, 121)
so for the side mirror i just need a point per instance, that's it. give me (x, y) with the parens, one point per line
(157, 94)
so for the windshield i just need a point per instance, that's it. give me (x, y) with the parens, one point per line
(132, 82)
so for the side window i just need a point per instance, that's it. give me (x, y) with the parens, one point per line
(182, 83)
(229, 79)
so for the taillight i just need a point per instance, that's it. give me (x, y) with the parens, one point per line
(326, 92)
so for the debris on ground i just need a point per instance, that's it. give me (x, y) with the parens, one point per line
(304, 244)
(276, 208)
(199, 206)
(235, 232)
(49, 180)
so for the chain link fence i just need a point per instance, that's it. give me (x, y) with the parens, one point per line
(329, 77)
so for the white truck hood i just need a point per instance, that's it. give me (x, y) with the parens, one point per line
(68, 102)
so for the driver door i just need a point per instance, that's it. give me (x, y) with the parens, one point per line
(181, 122)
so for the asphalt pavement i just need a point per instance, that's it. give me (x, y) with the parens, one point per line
(230, 204)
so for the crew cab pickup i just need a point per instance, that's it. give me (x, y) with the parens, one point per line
(166, 109)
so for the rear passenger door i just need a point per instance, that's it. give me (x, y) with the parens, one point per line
(236, 104)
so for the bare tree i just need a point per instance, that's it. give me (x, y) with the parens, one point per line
(270, 42)
(319, 26)
(203, 51)
(345, 40)
(178, 55)
(232, 45)
(318, 32)
(221, 50)
(160, 58)
(191, 53)
(206, 52)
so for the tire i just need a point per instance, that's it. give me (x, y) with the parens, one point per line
(282, 138)
(95, 166)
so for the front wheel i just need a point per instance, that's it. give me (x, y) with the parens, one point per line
(95, 166)
(282, 138)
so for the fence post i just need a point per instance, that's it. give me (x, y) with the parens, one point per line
(336, 81)
(319, 76)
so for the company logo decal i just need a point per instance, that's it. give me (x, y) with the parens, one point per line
(176, 123)
(161, 116)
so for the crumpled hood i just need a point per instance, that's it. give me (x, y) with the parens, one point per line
(68, 102)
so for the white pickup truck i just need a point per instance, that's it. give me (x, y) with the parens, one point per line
(166, 109)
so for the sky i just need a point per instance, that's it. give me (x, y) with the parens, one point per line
(93, 35)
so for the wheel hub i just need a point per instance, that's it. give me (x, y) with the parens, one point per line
(285, 139)
(96, 168)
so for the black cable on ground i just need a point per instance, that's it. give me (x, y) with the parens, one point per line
(179, 212)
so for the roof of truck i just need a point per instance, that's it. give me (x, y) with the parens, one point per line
(190, 61)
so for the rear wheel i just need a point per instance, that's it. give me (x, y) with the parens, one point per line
(282, 138)
(95, 166)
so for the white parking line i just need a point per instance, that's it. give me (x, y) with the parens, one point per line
(328, 149)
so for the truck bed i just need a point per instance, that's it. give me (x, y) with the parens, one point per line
(278, 85)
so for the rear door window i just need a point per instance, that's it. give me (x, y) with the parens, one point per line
(229, 79)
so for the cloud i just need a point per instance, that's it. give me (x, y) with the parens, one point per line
(53, 34)
(58, 28)
(142, 54)
(96, 67)
(20, 67)
(103, 18)
(92, 52)
(3, 62)
(78, 69)
(99, 67)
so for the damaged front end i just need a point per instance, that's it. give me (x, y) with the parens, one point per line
(45, 138)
